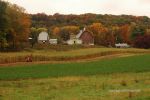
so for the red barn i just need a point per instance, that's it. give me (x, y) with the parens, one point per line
(86, 37)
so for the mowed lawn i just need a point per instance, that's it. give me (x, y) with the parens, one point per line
(140, 63)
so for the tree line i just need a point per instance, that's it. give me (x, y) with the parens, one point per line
(16, 26)
(107, 29)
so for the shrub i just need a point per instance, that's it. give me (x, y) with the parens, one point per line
(142, 42)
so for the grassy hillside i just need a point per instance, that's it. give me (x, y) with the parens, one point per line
(117, 65)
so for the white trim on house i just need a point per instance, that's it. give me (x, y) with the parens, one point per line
(74, 41)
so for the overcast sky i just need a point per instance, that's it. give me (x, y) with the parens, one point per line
(130, 7)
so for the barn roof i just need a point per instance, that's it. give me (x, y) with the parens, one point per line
(81, 32)
(43, 36)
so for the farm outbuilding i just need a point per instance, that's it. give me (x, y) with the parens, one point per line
(122, 45)
(83, 37)
(43, 38)
(53, 41)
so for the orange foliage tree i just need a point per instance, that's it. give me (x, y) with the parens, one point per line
(19, 25)
(100, 34)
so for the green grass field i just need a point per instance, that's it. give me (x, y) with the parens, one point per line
(140, 63)
(95, 87)
(118, 78)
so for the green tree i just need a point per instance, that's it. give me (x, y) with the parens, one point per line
(64, 34)
(4, 24)
(3, 41)
(33, 37)
(42, 29)
(4, 21)
(137, 31)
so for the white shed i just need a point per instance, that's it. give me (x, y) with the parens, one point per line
(53, 41)
(122, 45)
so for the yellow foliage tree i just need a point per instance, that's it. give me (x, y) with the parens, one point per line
(99, 33)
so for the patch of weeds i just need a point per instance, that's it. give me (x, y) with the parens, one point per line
(123, 83)
(130, 95)
(104, 86)
(1, 97)
(136, 81)
(140, 98)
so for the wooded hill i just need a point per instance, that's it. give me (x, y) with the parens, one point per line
(108, 20)
(107, 29)
(16, 26)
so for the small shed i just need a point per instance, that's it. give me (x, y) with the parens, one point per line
(53, 41)
(122, 45)
(43, 38)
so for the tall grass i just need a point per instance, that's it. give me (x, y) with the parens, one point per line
(52, 55)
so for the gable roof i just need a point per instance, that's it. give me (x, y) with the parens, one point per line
(81, 32)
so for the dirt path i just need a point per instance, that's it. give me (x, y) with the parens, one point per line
(69, 61)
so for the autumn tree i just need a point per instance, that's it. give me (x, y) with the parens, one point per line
(42, 29)
(71, 29)
(100, 33)
(142, 41)
(19, 25)
(67, 30)
(56, 31)
(116, 32)
(14, 25)
(125, 33)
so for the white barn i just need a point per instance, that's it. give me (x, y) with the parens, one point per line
(43, 37)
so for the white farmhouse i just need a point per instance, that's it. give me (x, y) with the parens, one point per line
(74, 40)
(84, 37)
